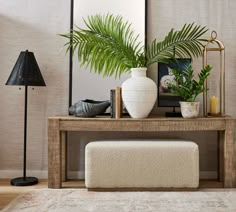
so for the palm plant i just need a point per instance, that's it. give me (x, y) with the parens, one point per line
(186, 86)
(108, 45)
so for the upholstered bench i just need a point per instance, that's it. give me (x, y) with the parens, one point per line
(142, 164)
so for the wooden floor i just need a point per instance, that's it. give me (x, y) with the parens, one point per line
(8, 192)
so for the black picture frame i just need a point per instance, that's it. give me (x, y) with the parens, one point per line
(165, 97)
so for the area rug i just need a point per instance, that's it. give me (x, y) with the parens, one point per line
(81, 200)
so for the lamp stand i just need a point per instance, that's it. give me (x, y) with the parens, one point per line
(24, 181)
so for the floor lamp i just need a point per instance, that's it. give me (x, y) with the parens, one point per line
(26, 73)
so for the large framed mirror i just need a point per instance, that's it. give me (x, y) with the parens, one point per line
(87, 85)
(84, 83)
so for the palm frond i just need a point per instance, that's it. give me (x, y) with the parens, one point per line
(108, 45)
(184, 43)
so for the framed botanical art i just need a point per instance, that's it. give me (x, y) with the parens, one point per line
(165, 96)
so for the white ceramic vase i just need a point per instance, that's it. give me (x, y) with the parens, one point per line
(139, 93)
(189, 109)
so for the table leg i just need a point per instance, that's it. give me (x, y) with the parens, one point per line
(54, 154)
(229, 151)
(64, 156)
(221, 135)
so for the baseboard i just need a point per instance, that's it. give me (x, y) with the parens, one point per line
(9, 174)
(43, 174)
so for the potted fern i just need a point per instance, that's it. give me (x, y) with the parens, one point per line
(188, 88)
(108, 45)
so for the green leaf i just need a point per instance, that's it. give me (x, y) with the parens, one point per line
(186, 86)
(108, 45)
(187, 43)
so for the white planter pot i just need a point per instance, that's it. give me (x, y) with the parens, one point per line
(189, 109)
(139, 93)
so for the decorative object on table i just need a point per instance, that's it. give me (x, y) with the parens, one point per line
(88, 108)
(214, 106)
(26, 72)
(113, 103)
(139, 93)
(188, 88)
(118, 102)
(189, 109)
(166, 98)
(109, 47)
(221, 95)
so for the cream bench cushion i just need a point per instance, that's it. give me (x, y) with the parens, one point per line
(142, 164)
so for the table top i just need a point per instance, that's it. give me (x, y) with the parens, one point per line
(127, 118)
(101, 123)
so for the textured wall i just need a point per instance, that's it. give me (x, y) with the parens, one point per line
(32, 25)
(216, 15)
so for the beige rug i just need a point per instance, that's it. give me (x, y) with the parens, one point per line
(80, 200)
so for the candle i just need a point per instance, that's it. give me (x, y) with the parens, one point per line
(214, 105)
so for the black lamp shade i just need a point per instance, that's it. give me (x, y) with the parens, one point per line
(26, 71)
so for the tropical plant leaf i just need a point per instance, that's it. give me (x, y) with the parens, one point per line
(183, 44)
(186, 86)
(109, 47)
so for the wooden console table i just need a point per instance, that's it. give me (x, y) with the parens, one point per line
(58, 126)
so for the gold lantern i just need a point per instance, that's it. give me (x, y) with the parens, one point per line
(217, 104)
